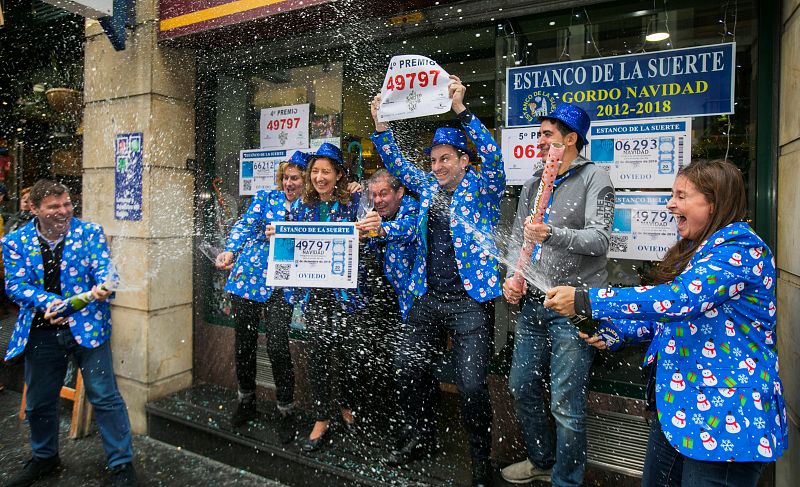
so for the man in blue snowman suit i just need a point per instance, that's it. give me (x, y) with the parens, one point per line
(52, 258)
(454, 280)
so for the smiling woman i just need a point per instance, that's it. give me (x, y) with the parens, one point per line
(719, 275)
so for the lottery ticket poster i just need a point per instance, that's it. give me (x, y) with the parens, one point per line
(643, 227)
(521, 156)
(305, 254)
(641, 154)
(414, 86)
(257, 169)
(284, 127)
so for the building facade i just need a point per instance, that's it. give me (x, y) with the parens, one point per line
(194, 78)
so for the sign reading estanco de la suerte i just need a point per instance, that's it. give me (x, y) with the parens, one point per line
(694, 81)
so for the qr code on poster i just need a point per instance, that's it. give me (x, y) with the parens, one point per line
(247, 185)
(282, 272)
(619, 243)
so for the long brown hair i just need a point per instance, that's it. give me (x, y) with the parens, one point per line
(340, 193)
(723, 187)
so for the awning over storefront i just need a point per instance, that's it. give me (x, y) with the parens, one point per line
(180, 18)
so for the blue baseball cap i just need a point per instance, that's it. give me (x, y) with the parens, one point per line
(573, 117)
(449, 136)
(300, 159)
(331, 152)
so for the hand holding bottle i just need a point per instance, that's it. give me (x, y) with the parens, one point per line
(59, 309)
(52, 312)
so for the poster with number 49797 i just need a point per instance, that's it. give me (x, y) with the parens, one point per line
(305, 254)
(414, 86)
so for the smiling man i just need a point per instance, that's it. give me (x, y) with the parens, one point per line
(454, 279)
(574, 242)
(52, 258)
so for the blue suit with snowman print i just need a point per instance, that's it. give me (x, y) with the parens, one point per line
(717, 390)
(459, 305)
(84, 335)
(474, 211)
(248, 240)
(85, 261)
(400, 250)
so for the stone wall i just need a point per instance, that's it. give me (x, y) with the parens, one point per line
(146, 88)
(788, 468)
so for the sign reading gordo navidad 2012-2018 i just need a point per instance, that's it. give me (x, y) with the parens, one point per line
(673, 83)
(415, 86)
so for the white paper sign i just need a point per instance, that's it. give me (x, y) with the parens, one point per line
(415, 86)
(257, 169)
(521, 156)
(283, 127)
(305, 254)
(643, 227)
(641, 153)
(316, 143)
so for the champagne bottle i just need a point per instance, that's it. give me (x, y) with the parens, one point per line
(584, 324)
(76, 303)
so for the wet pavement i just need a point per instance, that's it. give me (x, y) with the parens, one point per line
(83, 460)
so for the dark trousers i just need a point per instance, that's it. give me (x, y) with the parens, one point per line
(332, 343)
(46, 356)
(247, 315)
(377, 328)
(665, 467)
(469, 323)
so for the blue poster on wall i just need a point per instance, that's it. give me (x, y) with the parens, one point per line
(128, 176)
(695, 81)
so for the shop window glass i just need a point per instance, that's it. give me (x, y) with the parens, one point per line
(238, 99)
(619, 28)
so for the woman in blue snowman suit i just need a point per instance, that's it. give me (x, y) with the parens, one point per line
(249, 246)
(711, 318)
(331, 327)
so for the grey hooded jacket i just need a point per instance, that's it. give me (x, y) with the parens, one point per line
(581, 216)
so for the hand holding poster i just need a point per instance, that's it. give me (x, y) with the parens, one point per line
(415, 86)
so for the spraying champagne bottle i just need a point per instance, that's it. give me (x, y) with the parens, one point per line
(76, 303)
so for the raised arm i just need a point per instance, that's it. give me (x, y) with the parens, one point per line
(410, 175)
(492, 168)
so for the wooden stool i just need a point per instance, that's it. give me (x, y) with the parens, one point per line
(81, 409)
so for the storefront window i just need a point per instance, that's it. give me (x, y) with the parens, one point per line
(338, 84)
(238, 100)
(620, 28)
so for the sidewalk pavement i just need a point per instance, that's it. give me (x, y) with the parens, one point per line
(83, 461)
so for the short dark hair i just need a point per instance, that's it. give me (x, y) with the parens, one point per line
(383, 175)
(44, 188)
(565, 130)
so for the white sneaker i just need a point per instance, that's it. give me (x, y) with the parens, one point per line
(524, 472)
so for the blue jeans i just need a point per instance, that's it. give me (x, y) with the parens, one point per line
(546, 340)
(45, 365)
(422, 340)
(665, 467)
